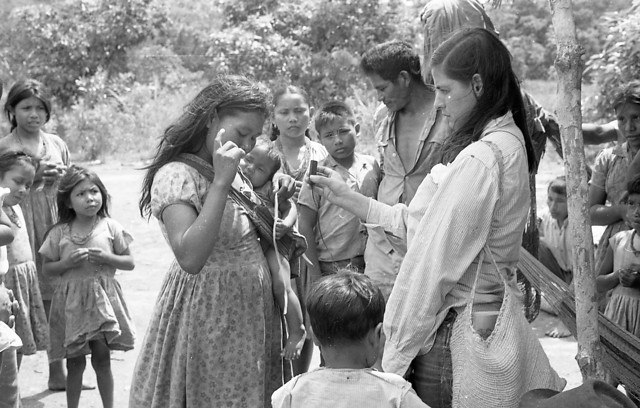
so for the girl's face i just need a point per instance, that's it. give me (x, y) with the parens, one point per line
(291, 115)
(18, 179)
(30, 114)
(455, 99)
(242, 128)
(85, 199)
(629, 123)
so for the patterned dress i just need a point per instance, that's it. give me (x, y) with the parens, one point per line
(214, 338)
(624, 306)
(88, 303)
(22, 278)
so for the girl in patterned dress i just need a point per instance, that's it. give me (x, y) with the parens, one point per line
(214, 337)
(88, 311)
(17, 170)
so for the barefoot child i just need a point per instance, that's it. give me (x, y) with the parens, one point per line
(346, 311)
(88, 311)
(555, 242)
(17, 171)
(259, 166)
(620, 271)
(335, 237)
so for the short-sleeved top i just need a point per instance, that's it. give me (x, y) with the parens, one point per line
(346, 388)
(624, 257)
(340, 234)
(108, 235)
(313, 151)
(610, 172)
(558, 239)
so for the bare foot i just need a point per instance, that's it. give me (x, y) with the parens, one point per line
(559, 331)
(57, 386)
(294, 345)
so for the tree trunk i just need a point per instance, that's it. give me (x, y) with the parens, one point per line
(569, 69)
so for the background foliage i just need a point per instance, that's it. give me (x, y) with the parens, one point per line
(122, 69)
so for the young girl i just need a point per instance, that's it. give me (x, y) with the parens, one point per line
(291, 116)
(17, 171)
(620, 270)
(259, 166)
(28, 109)
(88, 311)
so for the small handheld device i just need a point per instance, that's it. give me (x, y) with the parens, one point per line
(313, 168)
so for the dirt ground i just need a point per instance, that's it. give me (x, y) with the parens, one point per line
(141, 286)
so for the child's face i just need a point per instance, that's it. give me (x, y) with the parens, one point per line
(339, 138)
(633, 211)
(557, 206)
(30, 114)
(86, 199)
(18, 179)
(258, 166)
(291, 115)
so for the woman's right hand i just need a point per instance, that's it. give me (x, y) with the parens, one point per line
(330, 181)
(226, 159)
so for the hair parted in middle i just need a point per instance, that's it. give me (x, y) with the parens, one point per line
(71, 178)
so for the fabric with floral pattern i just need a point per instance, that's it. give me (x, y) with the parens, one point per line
(214, 338)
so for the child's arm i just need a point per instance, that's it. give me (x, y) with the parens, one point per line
(607, 278)
(289, 217)
(123, 261)
(6, 234)
(307, 225)
(57, 268)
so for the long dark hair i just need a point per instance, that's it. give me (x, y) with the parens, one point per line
(22, 90)
(72, 177)
(226, 95)
(478, 51)
(279, 93)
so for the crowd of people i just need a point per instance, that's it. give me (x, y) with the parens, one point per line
(400, 268)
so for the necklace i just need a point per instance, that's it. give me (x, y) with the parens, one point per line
(636, 252)
(13, 216)
(82, 239)
(40, 142)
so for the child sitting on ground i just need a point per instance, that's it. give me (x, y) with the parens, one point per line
(335, 237)
(345, 312)
(620, 271)
(259, 166)
(556, 244)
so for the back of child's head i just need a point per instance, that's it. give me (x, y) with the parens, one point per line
(633, 186)
(558, 186)
(25, 89)
(390, 58)
(343, 308)
(331, 111)
(72, 177)
(11, 159)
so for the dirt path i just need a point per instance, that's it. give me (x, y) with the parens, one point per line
(141, 285)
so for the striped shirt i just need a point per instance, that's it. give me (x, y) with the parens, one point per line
(455, 212)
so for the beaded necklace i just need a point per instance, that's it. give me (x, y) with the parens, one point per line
(40, 143)
(82, 239)
(12, 216)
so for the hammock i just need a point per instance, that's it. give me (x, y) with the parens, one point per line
(621, 354)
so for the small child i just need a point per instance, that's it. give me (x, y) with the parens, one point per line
(620, 270)
(17, 172)
(335, 237)
(555, 249)
(88, 311)
(345, 312)
(259, 166)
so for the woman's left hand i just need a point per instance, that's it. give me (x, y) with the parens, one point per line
(284, 185)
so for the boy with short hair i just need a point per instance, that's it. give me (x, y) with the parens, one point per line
(335, 237)
(345, 312)
(556, 244)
